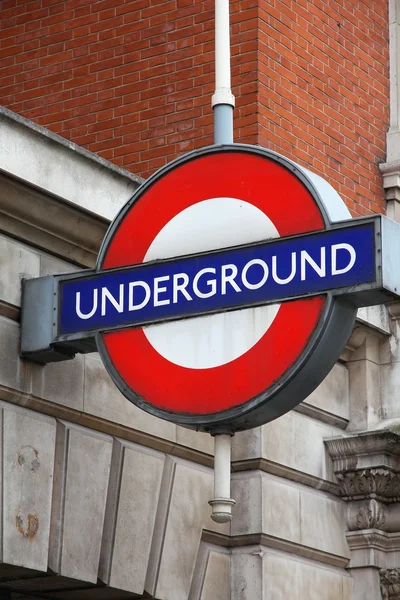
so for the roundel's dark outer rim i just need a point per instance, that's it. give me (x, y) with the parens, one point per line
(299, 380)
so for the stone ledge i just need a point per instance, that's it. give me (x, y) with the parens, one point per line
(268, 466)
(314, 412)
(46, 222)
(58, 411)
(269, 541)
(78, 176)
(367, 465)
(391, 183)
(372, 548)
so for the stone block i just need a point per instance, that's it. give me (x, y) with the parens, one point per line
(376, 316)
(246, 490)
(247, 574)
(51, 265)
(131, 510)
(203, 442)
(348, 587)
(217, 577)
(247, 444)
(281, 578)
(83, 460)
(17, 262)
(265, 504)
(366, 584)
(280, 508)
(180, 534)
(104, 400)
(390, 384)
(297, 441)
(365, 394)
(288, 511)
(332, 395)
(286, 578)
(14, 372)
(27, 467)
(323, 524)
(60, 382)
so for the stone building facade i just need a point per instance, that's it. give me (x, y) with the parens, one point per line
(100, 500)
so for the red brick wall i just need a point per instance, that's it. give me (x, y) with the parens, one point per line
(133, 81)
(324, 91)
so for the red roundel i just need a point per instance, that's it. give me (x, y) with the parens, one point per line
(194, 371)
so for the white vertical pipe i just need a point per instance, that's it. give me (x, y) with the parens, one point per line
(223, 100)
(223, 93)
(222, 502)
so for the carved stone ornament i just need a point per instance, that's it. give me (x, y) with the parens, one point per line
(378, 484)
(368, 515)
(390, 584)
(367, 465)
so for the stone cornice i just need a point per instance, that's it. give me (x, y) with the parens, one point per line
(365, 449)
(55, 195)
(367, 465)
(56, 166)
(50, 224)
(370, 548)
(391, 179)
(391, 183)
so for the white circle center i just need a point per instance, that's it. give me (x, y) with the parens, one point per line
(210, 341)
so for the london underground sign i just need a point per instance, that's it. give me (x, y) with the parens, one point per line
(224, 290)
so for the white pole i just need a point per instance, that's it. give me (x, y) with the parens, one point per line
(223, 100)
(222, 502)
(223, 103)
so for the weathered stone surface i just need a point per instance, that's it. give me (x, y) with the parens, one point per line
(14, 372)
(50, 265)
(366, 584)
(288, 511)
(286, 578)
(27, 467)
(298, 442)
(203, 442)
(80, 177)
(180, 533)
(248, 574)
(129, 521)
(332, 395)
(390, 382)
(83, 460)
(60, 382)
(295, 441)
(17, 262)
(323, 522)
(281, 509)
(216, 582)
(364, 380)
(104, 400)
(247, 490)
(247, 444)
(376, 316)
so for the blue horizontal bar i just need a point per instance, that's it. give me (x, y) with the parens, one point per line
(217, 281)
